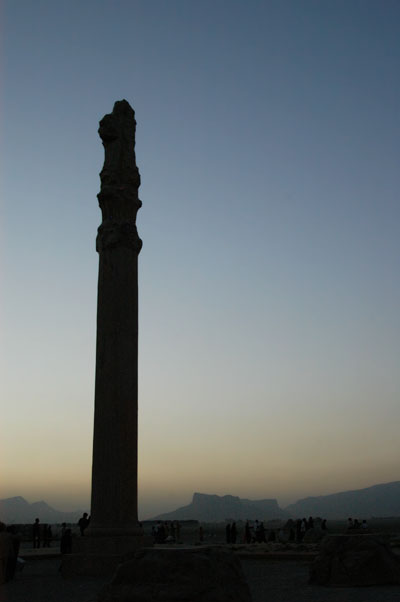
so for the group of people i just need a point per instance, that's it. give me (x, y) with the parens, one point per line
(355, 524)
(305, 524)
(231, 532)
(166, 532)
(66, 533)
(41, 534)
(255, 531)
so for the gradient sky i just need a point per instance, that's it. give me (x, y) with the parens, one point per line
(268, 146)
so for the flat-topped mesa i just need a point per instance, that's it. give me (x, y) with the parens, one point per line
(120, 179)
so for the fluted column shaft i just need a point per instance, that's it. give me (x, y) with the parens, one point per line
(114, 468)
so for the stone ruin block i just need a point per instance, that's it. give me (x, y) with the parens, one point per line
(178, 575)
(355, 560)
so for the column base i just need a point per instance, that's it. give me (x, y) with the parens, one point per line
(99, 556)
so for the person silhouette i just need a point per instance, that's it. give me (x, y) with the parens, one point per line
(233, 532)
(247, 533)
(36, 533)
(228, 533)
(83, 523)
(66, 540)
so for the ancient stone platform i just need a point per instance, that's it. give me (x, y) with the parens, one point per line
(168, 575)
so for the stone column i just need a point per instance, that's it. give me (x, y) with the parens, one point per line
(114, 469)
(114, 532)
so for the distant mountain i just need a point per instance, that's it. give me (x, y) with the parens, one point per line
(16, 510)
(379, 500)
(213, 508)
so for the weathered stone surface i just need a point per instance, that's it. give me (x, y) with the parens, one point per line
(120, 179)
(176, 575)
(355, 560)
(114, 468)
(114, 532)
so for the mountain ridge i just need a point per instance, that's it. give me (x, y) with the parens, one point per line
(382, 500)
(16, 510)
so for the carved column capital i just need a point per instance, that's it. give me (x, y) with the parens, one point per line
(112, 234)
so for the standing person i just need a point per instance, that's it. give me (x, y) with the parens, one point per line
(36, 533)
(66, 540)
(255, 531)
(161, 534)
(62, 537)
(247, 533)
(261, 533)
(228, 533)
(233, 532)
(158, 531)
(47, 536)
(350, 524)
(298, 530)
(83, 523)
(178, 531)
(258, 533)
(166, 528)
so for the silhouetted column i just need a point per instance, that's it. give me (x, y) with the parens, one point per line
(114, 470)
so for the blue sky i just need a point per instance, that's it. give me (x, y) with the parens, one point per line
(267, 142)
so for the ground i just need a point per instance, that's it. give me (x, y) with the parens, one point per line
(269, 581)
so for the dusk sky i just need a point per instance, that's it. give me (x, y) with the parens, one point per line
(269, 292)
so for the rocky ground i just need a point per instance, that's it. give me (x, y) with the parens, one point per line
(269, 581)
(287, 581)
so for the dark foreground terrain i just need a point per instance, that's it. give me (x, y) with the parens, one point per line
(269, 581)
